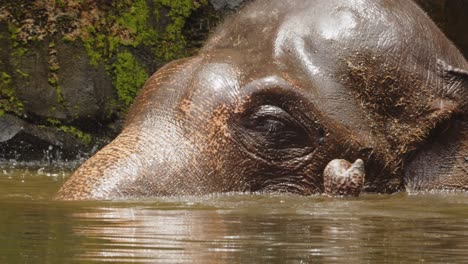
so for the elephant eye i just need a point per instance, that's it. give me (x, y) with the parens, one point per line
(274, 127)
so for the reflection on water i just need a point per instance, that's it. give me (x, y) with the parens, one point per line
(227, 228)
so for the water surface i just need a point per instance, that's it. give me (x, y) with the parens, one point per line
(230, 228)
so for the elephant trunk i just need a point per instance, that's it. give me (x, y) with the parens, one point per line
(135, 164)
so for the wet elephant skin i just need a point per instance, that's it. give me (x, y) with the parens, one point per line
(281, 89)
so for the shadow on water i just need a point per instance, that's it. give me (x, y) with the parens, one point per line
(231, 228)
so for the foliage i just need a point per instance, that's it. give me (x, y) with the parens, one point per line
(129, 76)
(83, 137)
(128, 26)
(77, 133)
(172, 43)
(135, 21)
(8, 101)
(129, 38)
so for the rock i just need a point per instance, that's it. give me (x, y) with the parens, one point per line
(33, 89)
(83, 91)
(87, 90)
(20, 140)
(9, 127)
(450, 16)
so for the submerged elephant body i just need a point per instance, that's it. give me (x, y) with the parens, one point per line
(283, 88)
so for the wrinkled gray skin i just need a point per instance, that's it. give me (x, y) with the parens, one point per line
(282, 89)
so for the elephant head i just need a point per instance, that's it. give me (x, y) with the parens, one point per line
(284, 87)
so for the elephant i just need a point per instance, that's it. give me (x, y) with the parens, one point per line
(281, 89)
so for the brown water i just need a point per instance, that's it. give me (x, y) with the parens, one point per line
(225, 228)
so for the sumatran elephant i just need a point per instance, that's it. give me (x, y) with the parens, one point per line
(283, 88)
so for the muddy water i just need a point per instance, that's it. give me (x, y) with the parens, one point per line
(225, 228)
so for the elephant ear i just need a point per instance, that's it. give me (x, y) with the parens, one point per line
(455, 83)
(442, 163)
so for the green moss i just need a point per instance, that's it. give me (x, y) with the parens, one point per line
(134, 19)
(14, 31)
(19, 51)
(129, 76)
(128, 25)
(53, 121)
(16, 46)
(5, 84)
(58, 91)
(93, 44)
(172, 41)
(82, 136)
(54, 67)
(67, 39)
(8, 100)
(22, 73)
(52, 81)
(60, 3)
(131, 22)
(131, 19)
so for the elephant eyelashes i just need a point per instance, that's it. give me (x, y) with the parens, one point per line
(273, 127)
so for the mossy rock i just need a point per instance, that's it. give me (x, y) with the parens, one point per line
(84, 67)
